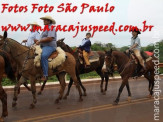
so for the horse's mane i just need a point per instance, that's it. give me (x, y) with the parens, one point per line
(12, 40)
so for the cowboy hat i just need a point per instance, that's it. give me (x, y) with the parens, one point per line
(48, 18)
(135, 29)
(34, 23)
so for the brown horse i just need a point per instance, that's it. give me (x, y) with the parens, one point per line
(24, 58)
(7, 68)
(127, 66)
(95, 66)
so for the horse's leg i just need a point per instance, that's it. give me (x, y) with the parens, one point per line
(24, 83)
(3, 98)
(80, 83)
(26, 86)
(102, 79)
(62, 86)
(16, 89)
(129, 92)
(72, 74)
(42, 88)
(152, 83)
(33, 89)
(69, 87)
(106, 80)
(147, 76)
(120, 90)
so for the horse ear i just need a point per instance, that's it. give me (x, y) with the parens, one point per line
(62, 39)
(5, 35)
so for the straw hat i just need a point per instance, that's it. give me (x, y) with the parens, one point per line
(48, 18)
(34, 23)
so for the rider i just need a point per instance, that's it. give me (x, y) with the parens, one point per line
(136, 46)
(34, 35)
(48, 43)
(86, 47)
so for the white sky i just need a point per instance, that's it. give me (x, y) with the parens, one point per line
(127, 12)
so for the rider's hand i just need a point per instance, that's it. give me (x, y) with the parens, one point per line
(24, 41)
(127, 51)
(38, 43)
(35, 40)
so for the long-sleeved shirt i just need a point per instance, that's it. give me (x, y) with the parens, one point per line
(86, 45)
(32, 36)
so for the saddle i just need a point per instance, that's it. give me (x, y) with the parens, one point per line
(53, 55)
(93, 57)
(55, 59)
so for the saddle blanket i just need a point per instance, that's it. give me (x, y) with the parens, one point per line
(53, 62)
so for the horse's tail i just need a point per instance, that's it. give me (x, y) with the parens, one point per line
(8, 68)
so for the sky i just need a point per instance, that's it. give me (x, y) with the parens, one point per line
(126, 12)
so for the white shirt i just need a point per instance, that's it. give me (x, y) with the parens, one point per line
(136, 41)
(32, 36)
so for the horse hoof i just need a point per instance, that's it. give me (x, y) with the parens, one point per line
(149, 96)
(81, 99)
(104, 93)
(56, 101)
(14, 104)
(39, 93)
(102, 90)
(129, 99)
(115, 103)
(32, 106)
(65, 97)
(85, 94)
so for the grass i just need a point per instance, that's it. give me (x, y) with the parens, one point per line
(7, 82)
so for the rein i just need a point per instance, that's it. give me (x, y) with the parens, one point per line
(26, 58)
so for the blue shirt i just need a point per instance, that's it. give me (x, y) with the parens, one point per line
(86, 45)
(50, 33)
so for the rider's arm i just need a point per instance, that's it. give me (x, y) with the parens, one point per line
(87, 43)
(133, 46)
(137, 43)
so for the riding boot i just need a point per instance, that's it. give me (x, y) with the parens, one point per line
(44, 78)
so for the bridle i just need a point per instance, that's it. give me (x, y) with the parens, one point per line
(111, 66)
(26, 58)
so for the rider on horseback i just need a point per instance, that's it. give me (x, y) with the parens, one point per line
(136, 46)
(48, 44)
(34, 35)
(86, 47)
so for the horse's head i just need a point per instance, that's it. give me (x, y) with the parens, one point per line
(60, 43)
(65, 47)
(109, 61)
(3, 42)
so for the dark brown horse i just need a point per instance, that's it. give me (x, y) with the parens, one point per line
(95, 66)
(127, 66)
(7, 68)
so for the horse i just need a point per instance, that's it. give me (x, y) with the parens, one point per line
(24, 58)
(127, 67)
(7, 68)
(95, 66)
(17, 75)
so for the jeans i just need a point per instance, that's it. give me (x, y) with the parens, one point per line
(46, 52)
